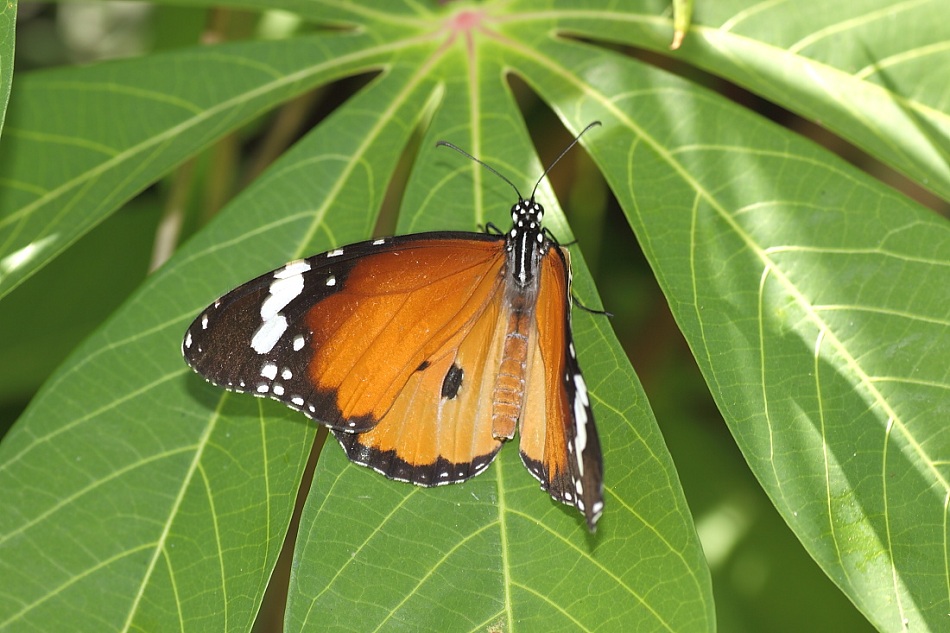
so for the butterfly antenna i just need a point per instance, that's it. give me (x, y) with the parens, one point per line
(561, 155)
(482, 163)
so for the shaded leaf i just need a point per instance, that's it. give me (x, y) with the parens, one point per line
(115, 254)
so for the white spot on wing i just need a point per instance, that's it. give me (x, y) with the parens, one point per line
(294, 268)
(204, 321)
(188, 339)
(297, 400)
(581, 403)
(267, 335)
(286, 374)
(278, 389)
(269, 371)
(298, 342)
(335, 253)
(331, 280)
(379, 242)
(282, 291)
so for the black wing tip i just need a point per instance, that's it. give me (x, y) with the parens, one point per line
(317, 405)
(593, 513)
(561, 488)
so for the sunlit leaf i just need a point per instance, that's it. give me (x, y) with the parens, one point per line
(871, 71)
(815, 300)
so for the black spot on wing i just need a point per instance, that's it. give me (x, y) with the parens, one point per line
(452, 382)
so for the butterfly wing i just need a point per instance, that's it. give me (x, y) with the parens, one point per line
(439, 428)
(559, 441)
(402, 330)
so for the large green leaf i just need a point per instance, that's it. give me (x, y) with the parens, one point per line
(7, 42)
(520, 554)
(816, 302)
(115, 128)
(210, 475)
(872, 71)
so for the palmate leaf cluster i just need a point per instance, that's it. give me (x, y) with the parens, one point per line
(815, 299)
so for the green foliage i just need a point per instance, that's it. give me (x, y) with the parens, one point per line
(135, 496)
(7, 18)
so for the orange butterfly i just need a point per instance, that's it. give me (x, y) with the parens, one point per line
(422, 353)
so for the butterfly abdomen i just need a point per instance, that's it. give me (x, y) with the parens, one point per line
(508, 394)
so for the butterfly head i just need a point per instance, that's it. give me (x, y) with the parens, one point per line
(525, 242)
(527, 215)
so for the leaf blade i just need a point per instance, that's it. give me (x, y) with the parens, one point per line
(867, 71)
(128, 124)
(761, 243)
(537, 543)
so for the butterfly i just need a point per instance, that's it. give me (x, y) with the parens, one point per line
(422, 353)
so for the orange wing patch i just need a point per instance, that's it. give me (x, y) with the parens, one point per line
(543, 440)
(439, 428)
(396, 311)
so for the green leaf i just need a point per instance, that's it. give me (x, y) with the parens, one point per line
(128, 123)
(115, 254)
(526, 558)
(210, 475)
(871, 71)
(7, 43)
(815, 300)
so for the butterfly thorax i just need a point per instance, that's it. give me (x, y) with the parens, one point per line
(525, 242)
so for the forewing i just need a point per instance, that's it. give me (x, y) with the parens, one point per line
(338, 335)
